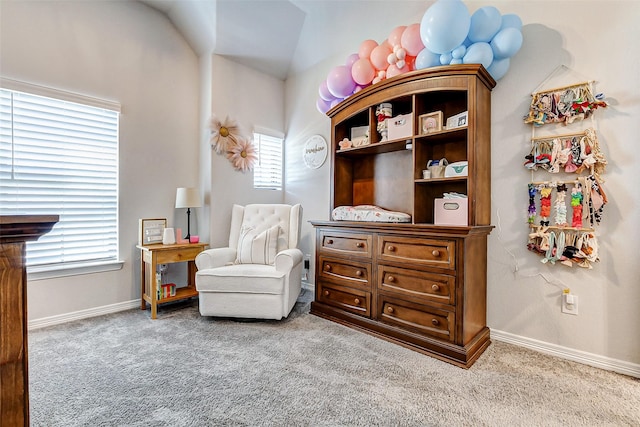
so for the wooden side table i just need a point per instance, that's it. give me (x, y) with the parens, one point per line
(151, 256)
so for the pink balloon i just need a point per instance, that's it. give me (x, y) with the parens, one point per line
(393, 70)
(379, 56)
(362, 71)
(322, 105)
(396, 35)
(366, 47)
(351, 59)
(411, 40)
(324, 93)
(339, 82)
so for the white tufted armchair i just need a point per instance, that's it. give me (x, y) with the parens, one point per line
(259, 274)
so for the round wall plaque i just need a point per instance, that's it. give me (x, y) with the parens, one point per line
(315, 152)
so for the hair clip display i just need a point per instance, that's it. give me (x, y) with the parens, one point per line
(563, 105)
(571, 238)
(576, 204)
(572, 153)
(532, 204)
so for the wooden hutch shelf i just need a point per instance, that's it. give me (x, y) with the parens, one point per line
(418, 284)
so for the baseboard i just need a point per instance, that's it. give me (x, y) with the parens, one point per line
(82, 314)
(595, 360)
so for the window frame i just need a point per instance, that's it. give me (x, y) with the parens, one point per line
(63, 269)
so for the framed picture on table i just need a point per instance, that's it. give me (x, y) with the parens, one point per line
(431, 122)
(150, 230)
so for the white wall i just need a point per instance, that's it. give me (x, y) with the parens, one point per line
(255, 101)
(593, 38)
(126, 52)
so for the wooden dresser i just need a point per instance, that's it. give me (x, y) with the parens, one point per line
(15, 231)
(418, 284)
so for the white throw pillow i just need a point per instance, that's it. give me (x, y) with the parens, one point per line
(257, 247)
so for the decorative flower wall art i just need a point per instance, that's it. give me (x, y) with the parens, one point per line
(242, 155)
(227, 138)
(223, 133)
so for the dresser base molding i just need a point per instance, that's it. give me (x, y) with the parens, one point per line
(462, 356)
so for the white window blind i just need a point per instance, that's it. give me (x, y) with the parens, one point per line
(268, 171)
(61, 158)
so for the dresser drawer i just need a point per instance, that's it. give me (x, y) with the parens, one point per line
(432, 252)
(347, 272)
(419, 318)
(416, 284)
(345, 243)
(353, 300)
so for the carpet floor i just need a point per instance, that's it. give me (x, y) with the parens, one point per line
(124, 369)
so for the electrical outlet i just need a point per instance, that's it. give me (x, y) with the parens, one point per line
(570, 304)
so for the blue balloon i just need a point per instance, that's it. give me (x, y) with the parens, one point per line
(459, 52)
(506, 43)
(511, 21)
(499, 68)
(445, 58)
(445, 25)
(426, 59)
(479, 53)
(485, 23)
(455, 61)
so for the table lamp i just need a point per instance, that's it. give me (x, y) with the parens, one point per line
(188, 198)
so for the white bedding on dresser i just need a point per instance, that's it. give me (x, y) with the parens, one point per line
(368, 213)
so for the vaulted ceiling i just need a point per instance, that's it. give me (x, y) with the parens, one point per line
(279, 37)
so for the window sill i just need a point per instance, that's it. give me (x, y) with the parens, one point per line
(52, 272)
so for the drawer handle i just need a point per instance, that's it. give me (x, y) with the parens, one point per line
(391, 279)
(357, 301)
(359, 245)
(435, 253)
(329, 242)
(390, 309)
(326, 293)
(391, 248)
(358, 273)
(327, 267)
(435, 322)
(435, 287)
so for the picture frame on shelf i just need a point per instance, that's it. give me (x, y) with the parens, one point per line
(458, 121)
(150, 230)
(430, 122)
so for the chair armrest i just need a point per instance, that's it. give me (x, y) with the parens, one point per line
(217, 257)
(287, 259)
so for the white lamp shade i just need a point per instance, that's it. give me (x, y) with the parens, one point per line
(188, 198)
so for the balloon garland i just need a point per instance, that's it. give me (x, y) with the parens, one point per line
(447, 35)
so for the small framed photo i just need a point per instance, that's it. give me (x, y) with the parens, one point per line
(458, 121)
(151, 230)
(431, 122)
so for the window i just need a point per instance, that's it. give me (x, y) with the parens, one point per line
(268, 171)
(60, 157)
